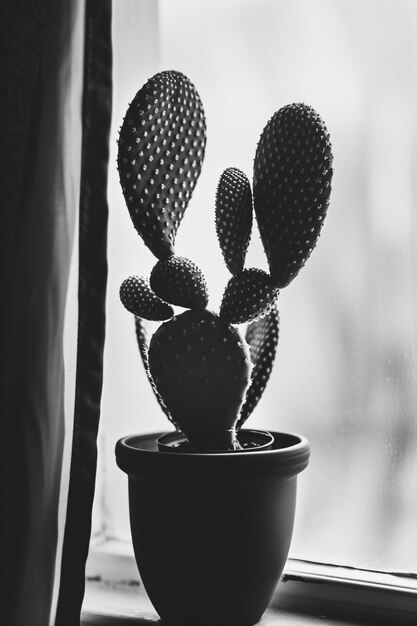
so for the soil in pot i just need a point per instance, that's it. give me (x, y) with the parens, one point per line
(248, 439)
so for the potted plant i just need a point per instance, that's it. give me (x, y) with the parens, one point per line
(212, 504)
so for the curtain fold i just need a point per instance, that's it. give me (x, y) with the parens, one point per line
(96, 120)
(54, 118)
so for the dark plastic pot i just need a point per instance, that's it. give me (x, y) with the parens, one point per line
(211, 532)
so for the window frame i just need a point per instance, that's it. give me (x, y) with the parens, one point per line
(320, 588)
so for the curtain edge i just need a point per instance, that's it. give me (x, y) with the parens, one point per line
(93, 217)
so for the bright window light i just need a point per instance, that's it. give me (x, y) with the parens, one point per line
(345, 372)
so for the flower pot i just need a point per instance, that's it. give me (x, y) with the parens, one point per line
(211, 531)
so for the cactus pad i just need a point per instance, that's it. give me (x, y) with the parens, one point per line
(179, 281)
(201, 367)
(138, 298)
(234, 217)
(142, 336)
(291, 188)
(262, 337)
(161, 150)
(247, 296)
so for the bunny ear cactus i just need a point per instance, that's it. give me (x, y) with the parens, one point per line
(291, 188)
(234, 217)
(248, 295)
(142, 336)
(180, 282)
(161, 150)
(138, 298)
(262, 337)
(201, 368)
(207, 376)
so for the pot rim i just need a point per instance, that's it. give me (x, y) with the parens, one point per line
(137, 455)
(265, 441)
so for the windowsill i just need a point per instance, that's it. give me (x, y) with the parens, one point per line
(122, 605)
(307, 594)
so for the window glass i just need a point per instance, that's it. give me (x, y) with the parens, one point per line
(345, 372)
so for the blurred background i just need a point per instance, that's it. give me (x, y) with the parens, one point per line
(345, 372)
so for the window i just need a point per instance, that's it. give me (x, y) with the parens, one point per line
(345, 372)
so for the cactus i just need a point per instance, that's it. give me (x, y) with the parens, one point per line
(234, 217)
(179, 281)
(201, 367)
(142, 336)
(291, 188)
(247, 296)
(207, 376)
(262, 337)
(161, 150)
(139, 299)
